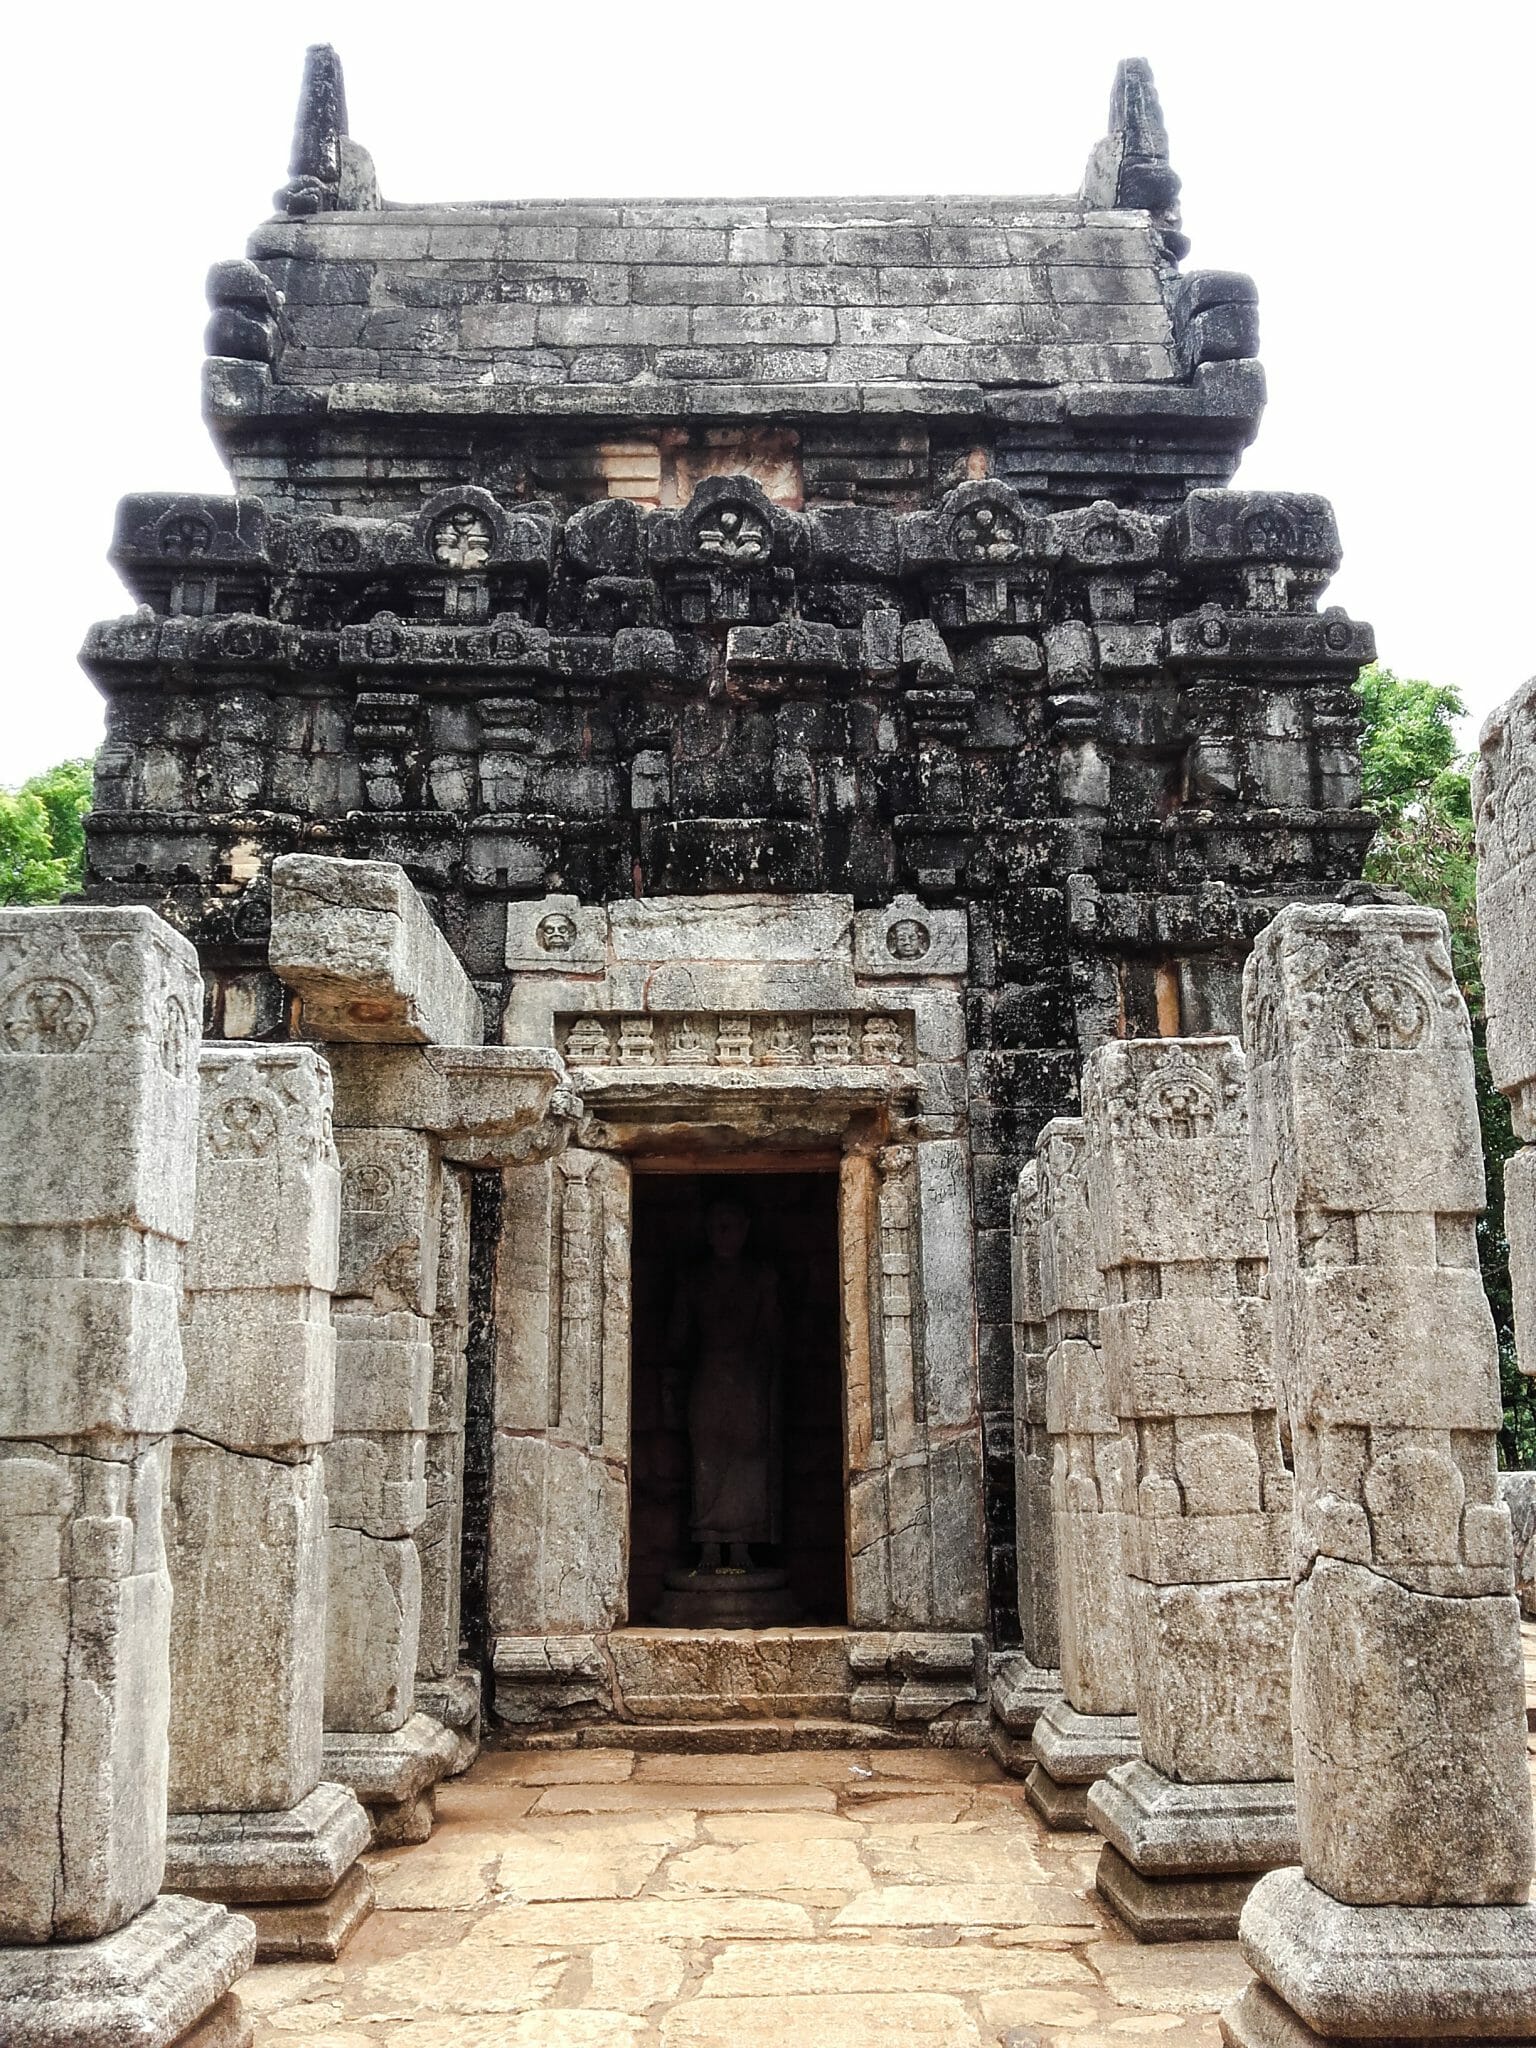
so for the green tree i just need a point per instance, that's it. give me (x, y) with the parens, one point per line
(1414, 776)
(42, 835)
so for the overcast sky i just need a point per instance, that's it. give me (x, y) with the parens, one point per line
(1369, 164)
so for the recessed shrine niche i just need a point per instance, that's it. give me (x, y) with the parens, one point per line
(736, 1389)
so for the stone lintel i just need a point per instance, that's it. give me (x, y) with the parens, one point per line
(1202, 1908)
(357, 944)
(1077, 1749)
(389, 1769)
(1165, 1828)
(302, 1853)
(1392, 1972)
(478, 1091)
(143, 1987)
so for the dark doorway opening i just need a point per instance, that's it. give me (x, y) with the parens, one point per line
(792, 1231)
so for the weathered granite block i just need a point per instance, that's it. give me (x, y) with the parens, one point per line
(85, 1613)
(358, 945)
(146, 1984)
(246, 1540)
(1410, 1913)
(373, 1618)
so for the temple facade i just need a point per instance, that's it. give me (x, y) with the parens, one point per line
(725, 1086)
(809, 658)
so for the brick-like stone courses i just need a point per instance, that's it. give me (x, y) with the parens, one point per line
(997, 645)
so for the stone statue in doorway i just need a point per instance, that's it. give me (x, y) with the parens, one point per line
(727, 1336)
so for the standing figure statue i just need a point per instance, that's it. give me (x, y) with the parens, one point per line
(727, 1335)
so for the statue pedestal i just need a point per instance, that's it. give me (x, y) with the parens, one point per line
(727, 1599)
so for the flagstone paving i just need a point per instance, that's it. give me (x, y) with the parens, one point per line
(601, 1899)
(810, 1899)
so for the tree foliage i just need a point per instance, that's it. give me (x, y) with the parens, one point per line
(1414, 776)
(42, 835)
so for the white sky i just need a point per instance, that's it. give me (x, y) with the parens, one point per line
(1369, 164)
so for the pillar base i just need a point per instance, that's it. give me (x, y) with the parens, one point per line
(1073, 1751)
(312, 1930)
(1170, 1908)
(1169, 1829)
(1260, 2020)
(161, 1979)
(394, 1774)
(1387, 1973)
(455, 1701)
(302, 1852)
(1063, 1808)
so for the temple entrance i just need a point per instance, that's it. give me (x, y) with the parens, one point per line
(737, 1429)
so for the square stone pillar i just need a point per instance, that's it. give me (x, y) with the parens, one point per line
(1025, 1682)
(403, 1027)
(443, 1690)
(1186, 1336)
(99, 1024)
(251, 1822)
(1504, 807)
(1093, 1726)
(1410, 1917)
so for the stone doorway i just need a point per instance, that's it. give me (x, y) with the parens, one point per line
(793, 1229)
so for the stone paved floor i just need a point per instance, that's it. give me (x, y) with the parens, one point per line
(600, 1899)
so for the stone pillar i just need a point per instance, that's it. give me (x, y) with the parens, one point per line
(357, 944)
(251, 1822)
(1186, 1336)
(1025, 1682)
(417, 1098)
(443, 1690)
(99, 1026)
(1093, 1726)
(1504, 806)
(1410, 1916)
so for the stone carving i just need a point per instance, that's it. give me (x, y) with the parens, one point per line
(1367, 1161)
(587, 1043)
(733, 532)
(462, 540)
(97, 1168)
(555, 934)
(1205, 1513)
(710, 1040)
(1092, 1727)
(908, 939)
(989, 533)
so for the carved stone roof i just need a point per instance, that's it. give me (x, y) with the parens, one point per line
(1034, 312)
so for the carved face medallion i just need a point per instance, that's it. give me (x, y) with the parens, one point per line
(908, 939)
(556, 933)
(47, 1016)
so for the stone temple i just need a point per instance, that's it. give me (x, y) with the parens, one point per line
(644, 1135)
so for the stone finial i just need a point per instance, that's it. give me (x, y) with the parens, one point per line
(327, 171)
(1129, 168)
